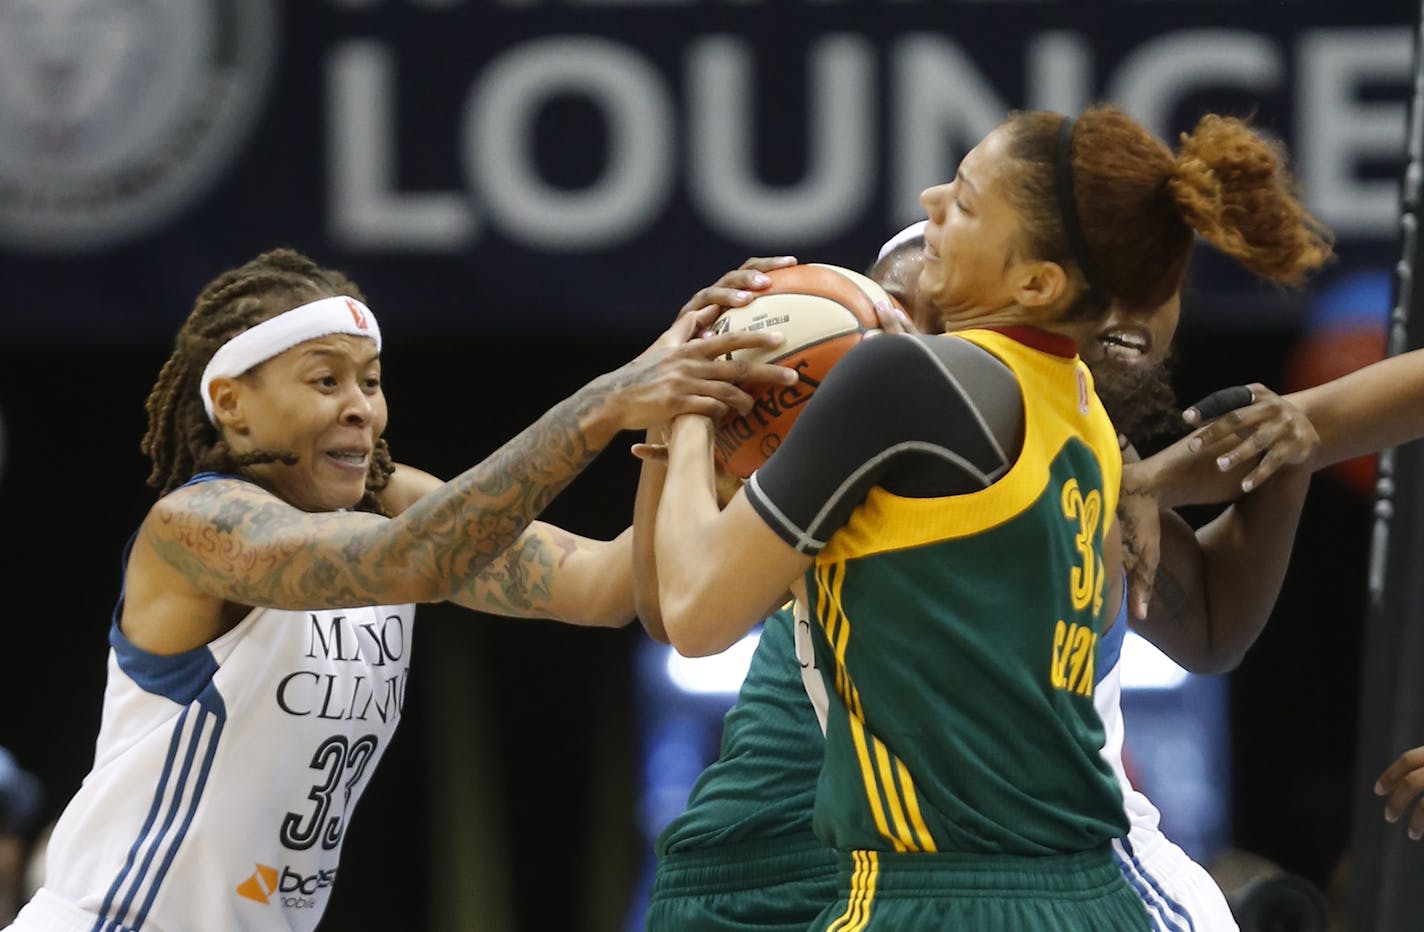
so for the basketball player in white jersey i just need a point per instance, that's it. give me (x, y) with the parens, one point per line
(261, 644)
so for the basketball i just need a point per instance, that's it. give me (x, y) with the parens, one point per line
(824, 311)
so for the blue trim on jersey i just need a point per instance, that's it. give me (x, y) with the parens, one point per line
(211, 716)
(186, 679)
(1110, 644)
(100, 925)
(211, 703)
(179, 677)
(1180, 919)
(209, 477)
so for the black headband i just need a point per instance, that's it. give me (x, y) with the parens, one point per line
(1068, 207)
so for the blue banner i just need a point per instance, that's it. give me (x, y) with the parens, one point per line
(580, 166)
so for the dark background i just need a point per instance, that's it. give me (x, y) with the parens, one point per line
(510, 794)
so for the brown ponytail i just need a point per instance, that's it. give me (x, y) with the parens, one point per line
(1138, 205)
(1231, 185)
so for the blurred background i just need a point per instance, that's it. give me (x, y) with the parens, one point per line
(527, 190)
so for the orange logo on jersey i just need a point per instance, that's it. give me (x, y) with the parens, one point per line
(359, 315)
(261, 885)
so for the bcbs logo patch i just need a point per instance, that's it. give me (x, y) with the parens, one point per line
(293, 890)
(117, 114)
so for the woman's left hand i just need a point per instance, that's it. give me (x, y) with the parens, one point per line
(1139, 514)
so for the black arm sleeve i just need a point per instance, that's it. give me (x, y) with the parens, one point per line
(921, 416)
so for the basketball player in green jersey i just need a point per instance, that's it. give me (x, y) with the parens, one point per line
(962, 783)
(743, 854)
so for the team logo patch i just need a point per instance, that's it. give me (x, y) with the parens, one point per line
(115, 115)
(357, 315)
(261, 885)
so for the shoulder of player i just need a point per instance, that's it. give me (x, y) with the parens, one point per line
(929, 360)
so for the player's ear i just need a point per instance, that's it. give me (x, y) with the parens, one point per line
(225, 393)
(1038, 283)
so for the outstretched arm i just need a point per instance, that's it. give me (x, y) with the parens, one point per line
(1210, 602)
(1371, 409)
(1209, 466)
(231, 541)
(547, 573)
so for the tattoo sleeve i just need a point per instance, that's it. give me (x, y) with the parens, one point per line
(235, 541)
(520, 581)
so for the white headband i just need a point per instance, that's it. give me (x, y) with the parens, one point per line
(910, 232)
(279, 334)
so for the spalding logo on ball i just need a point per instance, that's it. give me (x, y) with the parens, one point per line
(824, 311)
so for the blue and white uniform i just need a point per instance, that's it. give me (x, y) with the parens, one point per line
(1179, 894)
(224, 776)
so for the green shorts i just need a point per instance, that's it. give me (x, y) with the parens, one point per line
(1082, 892)
(768, 886)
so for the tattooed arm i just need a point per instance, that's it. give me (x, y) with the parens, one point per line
(550, 573)
(1215, 588)
(228, 542)
(547, 572)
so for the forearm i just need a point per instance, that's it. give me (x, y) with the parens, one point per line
(1371, 409)
(601, 592)
(442, 541)
(1246, 551)
(651, 479)
(1176, 620)
(685, 515)
(550, 573)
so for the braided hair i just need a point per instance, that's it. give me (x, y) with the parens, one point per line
(181, 441)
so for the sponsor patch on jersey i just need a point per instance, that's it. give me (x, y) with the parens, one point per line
(293, 889)
(115, 117)
(261, 885)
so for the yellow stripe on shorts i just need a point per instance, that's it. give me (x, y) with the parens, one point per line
(862, 893)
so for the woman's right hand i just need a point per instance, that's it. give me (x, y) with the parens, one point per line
(738, 287)
(689, 370)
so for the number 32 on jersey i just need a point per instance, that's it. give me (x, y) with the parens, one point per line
(1074, 645)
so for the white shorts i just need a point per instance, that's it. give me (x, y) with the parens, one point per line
(1179, 894)
(49, 913)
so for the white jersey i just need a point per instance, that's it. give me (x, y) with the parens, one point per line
(224, 777)
(1179, 894)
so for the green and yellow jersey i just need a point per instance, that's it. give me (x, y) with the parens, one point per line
(956, 491)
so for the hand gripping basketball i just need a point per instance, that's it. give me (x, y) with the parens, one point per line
(824, 311)
(682, 373)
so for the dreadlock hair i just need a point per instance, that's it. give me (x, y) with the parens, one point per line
(181, 441)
